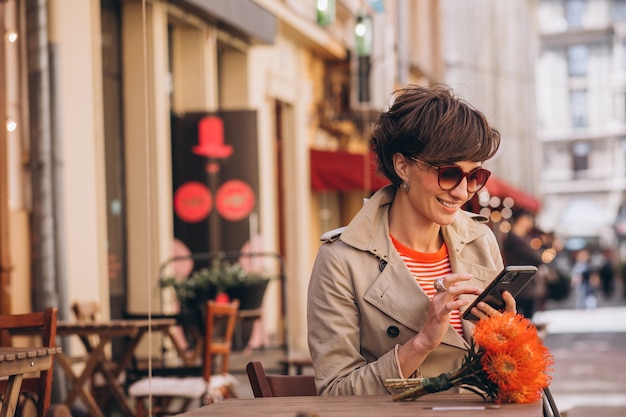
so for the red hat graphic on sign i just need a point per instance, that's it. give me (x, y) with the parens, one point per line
(211, 139)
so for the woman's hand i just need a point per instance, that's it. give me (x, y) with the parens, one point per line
(412, 354)
(485, 310)
(443, 303)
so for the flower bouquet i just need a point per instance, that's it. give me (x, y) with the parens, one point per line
(507, 362)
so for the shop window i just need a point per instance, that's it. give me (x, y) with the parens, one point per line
(336, 104)
(113, 110)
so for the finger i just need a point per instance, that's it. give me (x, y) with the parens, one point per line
(456, 304)
(487, 309)
(449, 281)
(453, 279)
(457, 290)
(509, 300)
(478, 313)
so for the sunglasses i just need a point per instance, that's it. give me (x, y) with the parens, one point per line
(450, 176)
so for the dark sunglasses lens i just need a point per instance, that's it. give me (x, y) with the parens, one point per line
(477, 179)
(450, 177)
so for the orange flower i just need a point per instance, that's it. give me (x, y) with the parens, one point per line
(508, 363)
(526, 394)
(513, 357)
(498, 332)
(505, 369)
(520, 396)
(536, 356)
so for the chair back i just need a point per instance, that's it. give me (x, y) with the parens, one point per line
(264, 385)
(221, 319)
(42, 325)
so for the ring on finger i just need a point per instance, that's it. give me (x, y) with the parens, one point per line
(439, 285)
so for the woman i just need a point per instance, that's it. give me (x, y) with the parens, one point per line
(385, 295)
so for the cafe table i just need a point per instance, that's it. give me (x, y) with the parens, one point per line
(99, 362)
(432, 405)
(17, 361)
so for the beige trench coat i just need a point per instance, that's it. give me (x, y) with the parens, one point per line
(363, 302)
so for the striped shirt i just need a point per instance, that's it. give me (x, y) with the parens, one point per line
(426, 268)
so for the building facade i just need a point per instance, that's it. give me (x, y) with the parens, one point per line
(96, 96)
(102, 96)
(494, 69)
(581, 117)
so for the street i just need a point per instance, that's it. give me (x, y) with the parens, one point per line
(589, 349)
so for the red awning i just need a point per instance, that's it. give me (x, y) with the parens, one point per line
(343, 171)
(499, 188)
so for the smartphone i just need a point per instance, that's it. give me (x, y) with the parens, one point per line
(512, 279)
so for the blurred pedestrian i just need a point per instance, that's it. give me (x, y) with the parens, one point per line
(606, 273)
(516, 250)
(584, 281)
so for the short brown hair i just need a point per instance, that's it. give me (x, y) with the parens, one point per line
(434, 125)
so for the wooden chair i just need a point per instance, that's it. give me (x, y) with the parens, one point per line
(219, 329)
(191, 358)
(43, 326)
(264, 385)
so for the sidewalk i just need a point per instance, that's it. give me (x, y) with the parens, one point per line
(589, 353)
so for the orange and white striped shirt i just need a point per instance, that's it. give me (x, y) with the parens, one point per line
(426, 268)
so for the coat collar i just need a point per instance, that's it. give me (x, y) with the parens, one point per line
(369, 230)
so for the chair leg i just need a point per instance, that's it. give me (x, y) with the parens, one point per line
(225, 362)
(549, 405)
(140, 407)
(161, 406)
(58, 410)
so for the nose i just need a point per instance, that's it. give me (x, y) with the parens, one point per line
(460, 191)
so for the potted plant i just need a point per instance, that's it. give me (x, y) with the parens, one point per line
(222, 277)
(222, 280)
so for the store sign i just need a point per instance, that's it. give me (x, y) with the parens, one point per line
(215, 178)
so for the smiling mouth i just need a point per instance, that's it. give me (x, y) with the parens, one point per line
(448, 204)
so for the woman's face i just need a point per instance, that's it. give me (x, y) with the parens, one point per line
(431, 203)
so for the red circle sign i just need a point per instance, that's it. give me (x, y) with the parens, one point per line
(192, 202)
(234, 200)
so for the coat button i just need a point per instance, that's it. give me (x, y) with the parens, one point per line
(382, 265)
(393, 331)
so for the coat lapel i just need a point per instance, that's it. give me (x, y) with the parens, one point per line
(397, 294)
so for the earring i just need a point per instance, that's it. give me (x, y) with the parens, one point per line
(405, 186)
